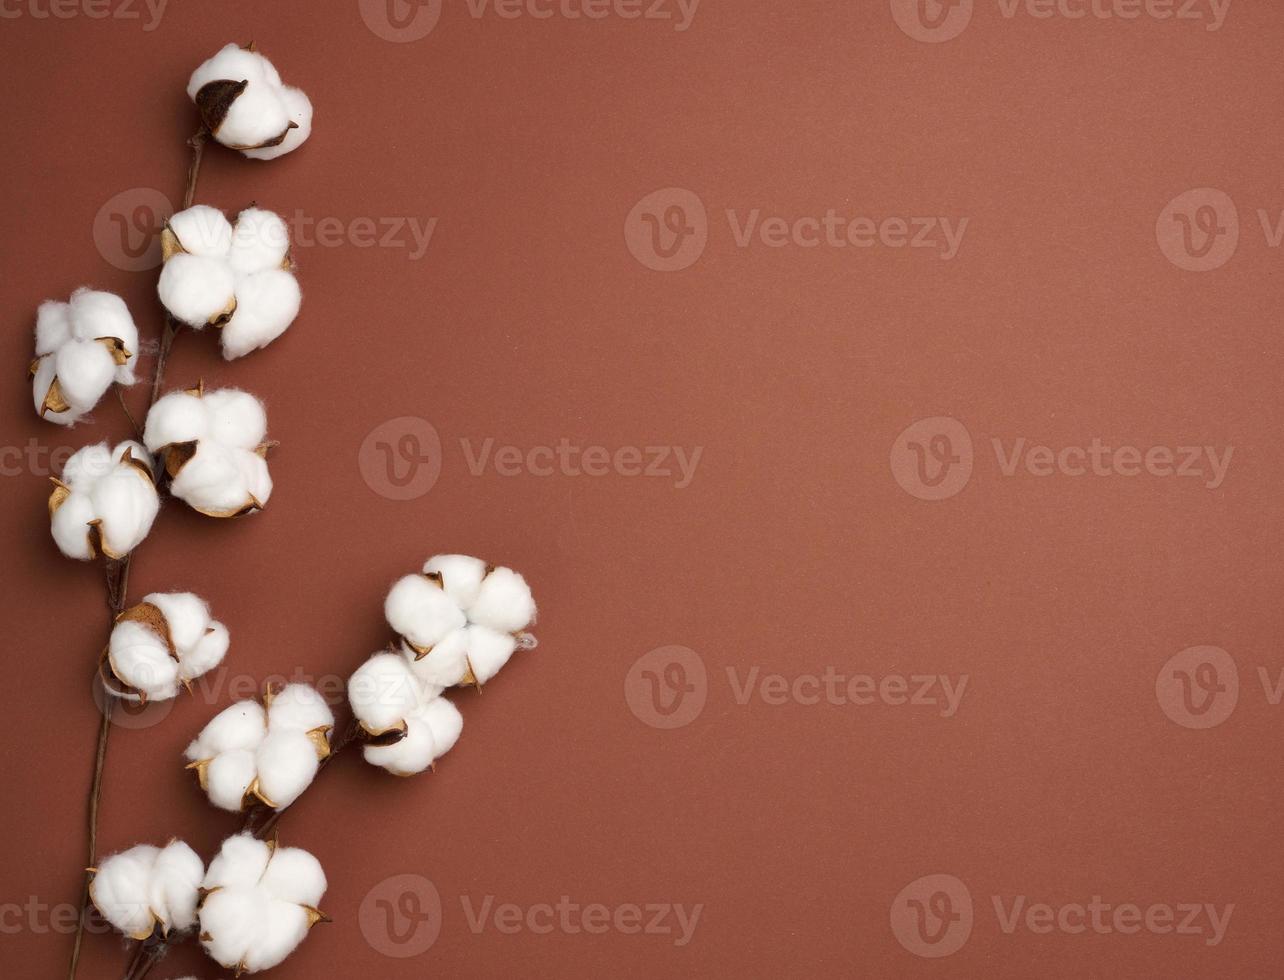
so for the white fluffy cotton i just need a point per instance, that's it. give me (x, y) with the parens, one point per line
(213, 447)
(235, 276)
(82, 348)
(461, 620)
(261, 901)
(105, 501)
(249, 752)
(167, 640)
(265, 118)
(387, 698)
(145, 886)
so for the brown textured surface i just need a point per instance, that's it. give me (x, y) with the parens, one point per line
(793, 549)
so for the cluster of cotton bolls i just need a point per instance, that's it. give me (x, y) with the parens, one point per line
(82, 347)
(166, 640)
(265, 753)
(104, 502)
(261, 900)
(145, 887)
(245, 105)
(459, 621)
(233, 276)
(212, 444)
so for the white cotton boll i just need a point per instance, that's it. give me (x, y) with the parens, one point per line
(300, 708)
(445, 665)
(461, 576)
(53, 326)
(95, 314)
(228, 778)
(431, 732)
(299, 107)
(267, 303)
(261, 241)
(488, 651)
(504, 602)
(441, 715)
(87, 465)
(419, 610)
(196, 289)
(382, 692)
(117, 497)
(140, 659)
(121, 890)
(293, 875)
(176, 879)
(240, 863)
(202, 230)
(286, 763)
(175, 418)
(70, 526)
(237, 418)
(212, 481)
(239, 726)
(207, 653)
(257, 116)
(231, 921)
(126, 503)
(232, 62)
(85, 370)
(186, 614)
(41, 382)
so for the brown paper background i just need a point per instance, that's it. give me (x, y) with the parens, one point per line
(793, 549)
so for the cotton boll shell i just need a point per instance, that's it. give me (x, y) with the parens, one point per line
(461, 576)
(488, 651)
(446, 664)
(382, 692)
(267, 303)
(227, 778)
(197, 290)
(202, 231)
(504, 602)
(175, 418)
(286, 763)
(176, 880)
(239, 726)
(300, 110)
(121, 888)
(298, 707)
(418, 609)
(237, 418)
(141, 660)
(260, 241)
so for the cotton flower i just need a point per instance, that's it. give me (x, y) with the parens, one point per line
(461, 619)
(235, 277)
(252, 753)
(213, 448)
(146, 886)
(244, 104)
(260, 902)
(104, 502)
(81, 348)
(409, 723)
(166, 640)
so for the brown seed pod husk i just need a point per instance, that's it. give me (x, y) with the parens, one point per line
(214, 100)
